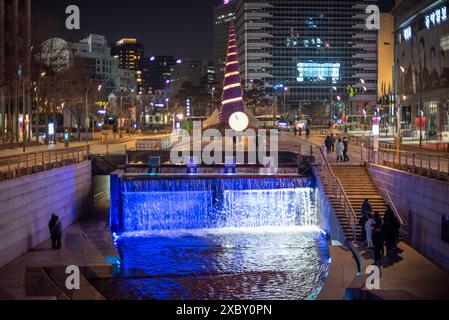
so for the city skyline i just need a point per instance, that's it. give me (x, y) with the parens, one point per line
(146, 21)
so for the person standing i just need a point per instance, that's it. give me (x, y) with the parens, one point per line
(333, 141)
(362, 222)
(369, 231)
(378, 244)
(327, 143)
(346, 150)
(55, 232)
(300, 131)
(378, 219)
(340, 148)
(295, 130)
(308, 132)
(366, 207)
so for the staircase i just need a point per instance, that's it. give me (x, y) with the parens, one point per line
(358, 186)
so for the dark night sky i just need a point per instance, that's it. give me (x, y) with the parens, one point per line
(182, 28)
(175, 27)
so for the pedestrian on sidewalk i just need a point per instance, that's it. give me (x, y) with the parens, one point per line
(55, 232)
(369, 231)
(340, 149)
(333, 141)
(308, 132)
(295, 130)
(346, 150)
(378, 243)
(300, 131)
(394, 226)
(327, 143)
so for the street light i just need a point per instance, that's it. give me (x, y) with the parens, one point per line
(285, 99)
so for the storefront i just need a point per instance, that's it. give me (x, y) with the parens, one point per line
(422, 65)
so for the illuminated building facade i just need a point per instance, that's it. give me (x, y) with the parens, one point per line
(232, 100)
(130, 54)
(422, 65)
(223, 15)
(158, 71)
(306, 48)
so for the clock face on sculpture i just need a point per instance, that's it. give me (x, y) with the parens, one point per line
(239, 121)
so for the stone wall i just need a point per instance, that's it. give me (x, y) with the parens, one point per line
(26, 205)
(422, 202)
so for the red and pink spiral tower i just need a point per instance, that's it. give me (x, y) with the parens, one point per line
(232, 100)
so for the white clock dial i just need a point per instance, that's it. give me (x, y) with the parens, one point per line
(239, 121)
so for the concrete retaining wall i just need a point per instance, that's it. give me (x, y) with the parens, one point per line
(26, 205)
(421, 202)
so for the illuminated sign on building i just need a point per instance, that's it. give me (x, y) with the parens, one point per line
(318, 71)
(436, 17)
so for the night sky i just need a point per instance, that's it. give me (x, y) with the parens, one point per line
(181, 28)
(174, 27)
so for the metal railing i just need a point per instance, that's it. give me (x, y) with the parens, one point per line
(429, 165)
(19, 165)
(434, 166)
(337, 190)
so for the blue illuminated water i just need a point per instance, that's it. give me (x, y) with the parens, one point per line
(220, 239)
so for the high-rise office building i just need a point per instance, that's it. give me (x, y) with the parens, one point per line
(193, 71)
(224, 14)
(131, 57)
(158, 71)
(15, 67)
(302, 49)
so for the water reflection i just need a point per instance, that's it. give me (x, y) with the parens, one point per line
(250, 263)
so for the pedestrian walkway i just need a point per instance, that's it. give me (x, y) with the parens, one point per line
(86, 244)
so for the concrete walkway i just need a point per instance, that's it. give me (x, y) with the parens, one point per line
(85, 244)
(116, 146)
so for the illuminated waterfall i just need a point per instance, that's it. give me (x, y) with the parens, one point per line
(160, 205)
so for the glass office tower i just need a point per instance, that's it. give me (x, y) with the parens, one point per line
(308, 52)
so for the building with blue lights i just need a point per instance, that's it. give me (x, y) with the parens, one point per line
(422, 66)
(309, 47)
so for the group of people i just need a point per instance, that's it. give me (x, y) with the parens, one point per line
(299, 130)
(340, 147)
(377, 233)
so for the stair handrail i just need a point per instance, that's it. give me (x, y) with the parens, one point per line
(390, 202)
(338, 190)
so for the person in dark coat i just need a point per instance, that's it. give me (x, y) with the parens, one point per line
(307, 132)
(388, 236)
(378, 243)
(346, 150)
(362, 223)
(55, 232)
(378, 219)
(327, 142)
(394, 224)
(333, 142)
